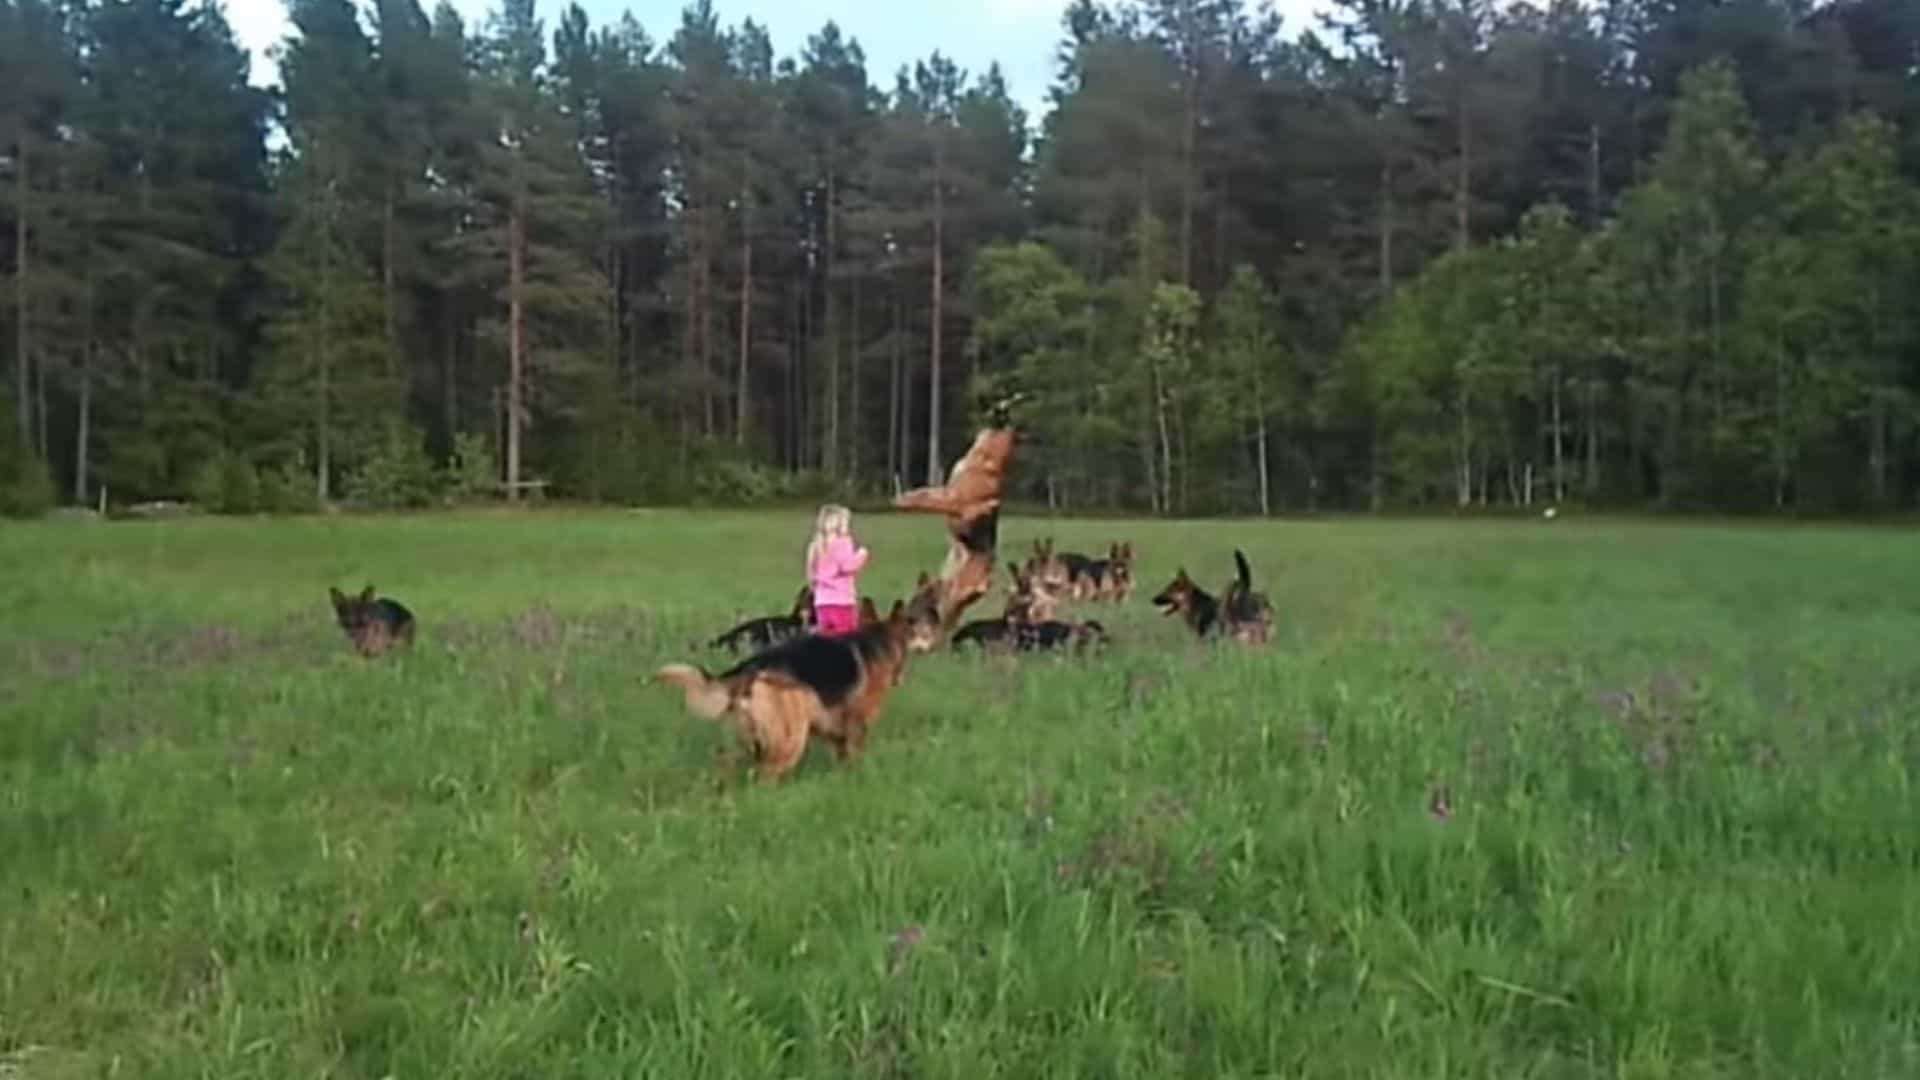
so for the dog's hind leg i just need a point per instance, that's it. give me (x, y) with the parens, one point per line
(781, 712)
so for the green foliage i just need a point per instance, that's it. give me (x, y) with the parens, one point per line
(26, 489)
(288, 487)
(1641, 254)
(473, 473)
(227, 483)
(396, 472)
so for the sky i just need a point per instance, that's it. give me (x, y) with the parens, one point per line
(1021, 34)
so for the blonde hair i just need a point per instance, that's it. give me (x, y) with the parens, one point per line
(831, 520)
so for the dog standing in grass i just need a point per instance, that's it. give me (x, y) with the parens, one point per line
(1240, 612)
(373, 625)
(771, 629)
(833, 687)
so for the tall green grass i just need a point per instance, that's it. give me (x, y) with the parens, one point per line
(1514, 800)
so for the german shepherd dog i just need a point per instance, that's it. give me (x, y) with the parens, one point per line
(771, 629)
(372, 625)
(1241, 613)
(970, 501)
(1083, 577)
(833, 687)
(1115, 576)
(1030, 622)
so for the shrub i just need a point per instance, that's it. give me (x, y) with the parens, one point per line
(397, 473)
(26, 489)
(472, 473)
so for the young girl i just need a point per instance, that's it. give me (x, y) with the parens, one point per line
(833, 560)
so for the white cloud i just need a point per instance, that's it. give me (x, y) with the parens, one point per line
(260, 25)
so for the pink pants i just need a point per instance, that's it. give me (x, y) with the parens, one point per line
(836, 620)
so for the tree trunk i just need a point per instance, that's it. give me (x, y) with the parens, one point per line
(387, 303)
(1593, 176)
(1559, 471)
(23, 397)
(1386, 227)
(832, 447)
(934, 473)
(854, 456)
(449, 377)
(516, 336)
(1188, 135)
(40, 411)
(1463, 193)
(746, 323)
(1464, 494)
(1779, 425)
(1161, 404)
(84, 420)
(323, 404)
(896, 465)
(1260, 438)
(689, 333)
(709, 395)
(1593, 438)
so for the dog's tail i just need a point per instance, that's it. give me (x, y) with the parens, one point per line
(1246, 572)
(705, 698)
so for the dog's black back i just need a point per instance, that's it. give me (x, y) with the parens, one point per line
(832, 667)
(1242, 603)
(760, 633)
(983, 633)
(365, 618)
(392, 612)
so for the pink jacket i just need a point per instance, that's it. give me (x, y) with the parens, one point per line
(833, 571)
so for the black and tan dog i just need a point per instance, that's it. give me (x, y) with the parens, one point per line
(1240, 613)
(1030, 622)
(771, 629)
(373, 625)
(970, 501)
(1083, 577)
(1115, 573)
(833, 687)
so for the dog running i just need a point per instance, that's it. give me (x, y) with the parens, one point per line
(833, 687)
(1241, 613)
(771, 630)
(372, 625)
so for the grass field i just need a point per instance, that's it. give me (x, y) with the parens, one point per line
(1501, 800)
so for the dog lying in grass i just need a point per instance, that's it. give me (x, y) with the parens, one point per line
(1030, 622)
(1083, 577)
(833, 687)
(372, 625)
(771, 629)
(1240, 612)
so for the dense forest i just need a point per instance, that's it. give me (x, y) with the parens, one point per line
(1650, 253)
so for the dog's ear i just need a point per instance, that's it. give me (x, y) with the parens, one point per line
(924, 581)
(868, 613)
(366, 595)
(899, 612)
(339, 598)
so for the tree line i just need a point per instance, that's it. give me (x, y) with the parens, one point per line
(1640, 253)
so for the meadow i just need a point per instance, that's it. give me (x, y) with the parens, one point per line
(1518, 799)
